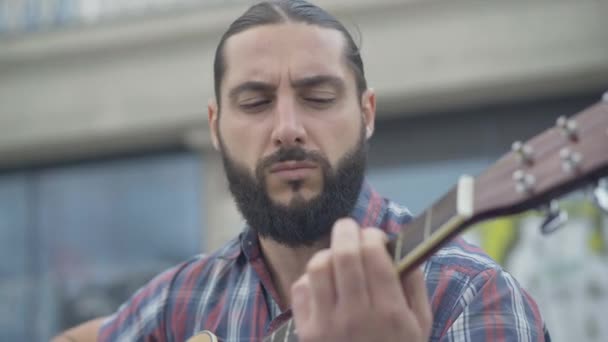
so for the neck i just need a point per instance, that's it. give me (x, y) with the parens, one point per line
(287, 264)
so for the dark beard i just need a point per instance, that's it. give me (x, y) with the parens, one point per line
(301, 222)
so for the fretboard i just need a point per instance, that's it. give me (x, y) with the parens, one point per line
(429, 230)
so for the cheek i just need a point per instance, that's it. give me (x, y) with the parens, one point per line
(244, 140)
(338, 135)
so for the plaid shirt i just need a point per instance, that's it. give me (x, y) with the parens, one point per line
(230, 293)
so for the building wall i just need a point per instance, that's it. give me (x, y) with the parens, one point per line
(143, 84)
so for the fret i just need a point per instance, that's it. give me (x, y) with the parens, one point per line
(410, 237)
(396, 247)
(441, 220)
(423, 226)
(428, 217)
(444, 209)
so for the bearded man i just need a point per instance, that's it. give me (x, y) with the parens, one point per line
(291, 117)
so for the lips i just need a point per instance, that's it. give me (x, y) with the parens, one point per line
(292, 170)
(292, 166)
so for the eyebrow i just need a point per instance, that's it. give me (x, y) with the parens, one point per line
(317, 80)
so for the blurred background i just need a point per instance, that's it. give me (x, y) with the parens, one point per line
(107, 176)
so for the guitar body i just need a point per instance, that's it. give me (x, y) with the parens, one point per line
(205, 336)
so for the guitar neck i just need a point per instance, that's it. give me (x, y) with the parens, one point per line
(429, 230)
(551, 164)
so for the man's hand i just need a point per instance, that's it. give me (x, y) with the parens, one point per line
(351, 292)
(85, 332)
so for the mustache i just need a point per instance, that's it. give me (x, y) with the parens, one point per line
(291, 154)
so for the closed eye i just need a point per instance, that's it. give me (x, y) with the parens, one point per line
(320, 99)
(255, 105)
(320, 102)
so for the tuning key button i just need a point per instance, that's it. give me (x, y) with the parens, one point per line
(524, 182)
(568, 127)
(570, 159)
(555, 218)
(600, 195)
(524, 152)
(605, 97)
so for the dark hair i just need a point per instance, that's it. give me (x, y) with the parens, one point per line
(280, 11)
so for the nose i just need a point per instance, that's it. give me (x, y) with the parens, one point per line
(288, 129)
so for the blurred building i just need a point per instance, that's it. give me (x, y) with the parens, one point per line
(107, 175)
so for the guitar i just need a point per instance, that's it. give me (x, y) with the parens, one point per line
(556, 162)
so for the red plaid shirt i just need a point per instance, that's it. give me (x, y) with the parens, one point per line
(230, 293)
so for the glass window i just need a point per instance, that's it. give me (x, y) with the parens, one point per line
(14, 268)
(90, 234)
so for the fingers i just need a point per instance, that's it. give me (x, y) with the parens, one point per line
(383, 282)
(400, 302)
(416, 294)
(319, 275)
(348, 267)
(353, 288)
(301, 299)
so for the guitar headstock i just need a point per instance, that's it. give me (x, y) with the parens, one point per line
(557, 161)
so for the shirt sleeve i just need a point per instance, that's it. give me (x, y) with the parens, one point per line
(494, 307)
(141, 318)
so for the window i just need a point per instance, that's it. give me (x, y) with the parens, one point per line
(78, 240)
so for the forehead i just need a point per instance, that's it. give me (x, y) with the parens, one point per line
(283, 52)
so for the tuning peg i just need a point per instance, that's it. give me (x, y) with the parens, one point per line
(570, 159)
(524, 182)
(555, 218)
(605, 97)
(600, 195)
(524, 152)
(569, 127)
